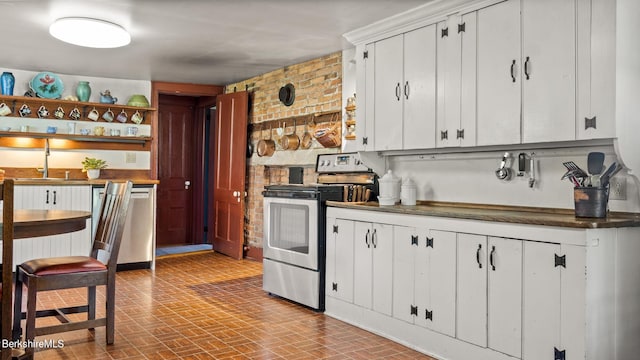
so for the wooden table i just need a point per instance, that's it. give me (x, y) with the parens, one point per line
(27, 224)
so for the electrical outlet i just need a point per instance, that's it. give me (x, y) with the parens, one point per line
(130, 158)
(618, 188)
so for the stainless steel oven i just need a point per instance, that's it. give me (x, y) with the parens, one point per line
(294, 231)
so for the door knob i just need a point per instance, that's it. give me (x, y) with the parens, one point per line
(236, 193)
(187, 184)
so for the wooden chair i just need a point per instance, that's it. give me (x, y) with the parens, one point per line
(76, 271)
(6, 195)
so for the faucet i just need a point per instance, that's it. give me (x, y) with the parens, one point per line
(45, 169)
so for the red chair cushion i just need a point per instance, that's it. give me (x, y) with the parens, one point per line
(62, 265)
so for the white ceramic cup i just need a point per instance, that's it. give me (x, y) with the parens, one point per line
(108, 115)
(93, 114)
(4, 109)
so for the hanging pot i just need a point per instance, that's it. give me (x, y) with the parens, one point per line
(290, 141)
(307, 139)
(266, 147)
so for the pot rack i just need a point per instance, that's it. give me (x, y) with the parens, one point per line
(311, 119)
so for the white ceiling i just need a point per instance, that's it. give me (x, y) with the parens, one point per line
(192, 41)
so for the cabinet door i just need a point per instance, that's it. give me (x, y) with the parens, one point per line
(388, 82)
(468, 80)
(339, 274)
(471, 317)
(541, 307)
(441, 247)
(498, 88)
(382, 243)
(365, 88)
(362, 264)
(549, 70)
(504, 321)
(405, 270)
(449, 55)
(419, 88)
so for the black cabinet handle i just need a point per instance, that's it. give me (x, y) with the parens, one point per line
(374, 238)
(398, 91)
(513, 75)
(493, 265)
(55, 197)
(366, 239)
(406, 90)
(478, 256)
(47, 198)
(526, 68)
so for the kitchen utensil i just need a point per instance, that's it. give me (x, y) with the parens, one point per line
(307, 139)
(504, 172)
(266, 147)
(595, 165)
(570, 165)
(609, 173)
(290, 141)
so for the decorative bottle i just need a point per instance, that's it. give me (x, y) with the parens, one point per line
(8, 80)
(83, 91)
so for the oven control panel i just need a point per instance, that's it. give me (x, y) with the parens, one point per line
(340, 163)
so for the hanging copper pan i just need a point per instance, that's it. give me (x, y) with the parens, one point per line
(266, 147)
(290, 141)
(307, 139)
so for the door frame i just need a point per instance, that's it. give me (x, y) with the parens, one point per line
(190, 90)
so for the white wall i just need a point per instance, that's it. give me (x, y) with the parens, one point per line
(70, 159)
(470, 178)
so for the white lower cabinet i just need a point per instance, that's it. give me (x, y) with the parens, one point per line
(63, 197)
(339, 274)
(489, 292)
(424, 278)
(496, 291)
(373, 253)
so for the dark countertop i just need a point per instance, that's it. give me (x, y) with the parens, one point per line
(497, 213)
(58, 182)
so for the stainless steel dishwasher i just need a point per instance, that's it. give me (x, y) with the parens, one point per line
(137, 250)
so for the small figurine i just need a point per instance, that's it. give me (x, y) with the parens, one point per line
(106, 98)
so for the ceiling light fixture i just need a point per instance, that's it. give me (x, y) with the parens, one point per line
(89, 32)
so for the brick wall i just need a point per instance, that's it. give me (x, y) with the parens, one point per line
(318, 88)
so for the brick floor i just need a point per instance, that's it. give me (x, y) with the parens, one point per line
(208, 306)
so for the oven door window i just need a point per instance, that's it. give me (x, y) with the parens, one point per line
(291, 229)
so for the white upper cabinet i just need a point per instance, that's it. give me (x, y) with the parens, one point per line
(488, 73)
(499, 81)
(549, 70)
(419, 89)
(401, 81)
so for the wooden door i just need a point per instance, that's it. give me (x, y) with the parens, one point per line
(498, 47)
(175, 171)
(229, 173)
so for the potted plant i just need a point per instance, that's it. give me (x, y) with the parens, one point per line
(92, 167)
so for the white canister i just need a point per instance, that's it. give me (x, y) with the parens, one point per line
(408, 192)
(389, 186)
